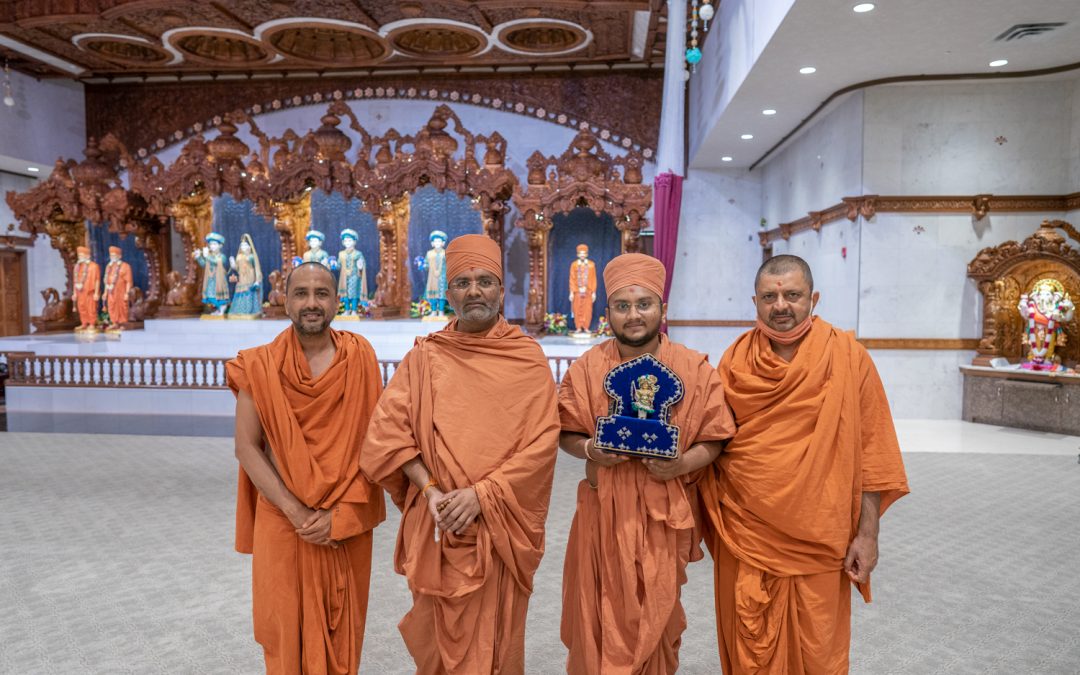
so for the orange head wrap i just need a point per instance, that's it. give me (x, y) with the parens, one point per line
(635, 269)
(582, 248)
(82, 251)
(115, 250)
(473, 250)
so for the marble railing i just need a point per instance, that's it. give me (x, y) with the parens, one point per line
(27, 369)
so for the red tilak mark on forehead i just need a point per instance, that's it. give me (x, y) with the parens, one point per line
(778, 284)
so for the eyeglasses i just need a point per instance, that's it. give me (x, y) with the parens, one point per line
(485, 284)
(643, 306)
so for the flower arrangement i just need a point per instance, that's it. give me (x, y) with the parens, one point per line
(418, 310)
(555, 324)
(603, 327)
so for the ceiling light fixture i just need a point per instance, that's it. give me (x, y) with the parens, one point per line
(746, 137)
(32, 169)
(807, 70)
(725, 158)
(768, 111)
(999, 63)
(863, 7)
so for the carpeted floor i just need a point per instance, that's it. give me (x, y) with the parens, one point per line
(116, 557)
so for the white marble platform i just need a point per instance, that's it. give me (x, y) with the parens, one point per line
(224, 338)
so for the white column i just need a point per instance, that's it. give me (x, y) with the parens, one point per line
(671, 153)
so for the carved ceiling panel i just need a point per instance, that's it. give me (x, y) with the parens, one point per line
(110, 38)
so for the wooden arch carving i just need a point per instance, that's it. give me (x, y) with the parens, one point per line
(432, 156)
(1004, 272)
(583, 176)
(76, 195)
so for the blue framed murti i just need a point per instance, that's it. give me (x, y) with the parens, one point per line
(643, 392)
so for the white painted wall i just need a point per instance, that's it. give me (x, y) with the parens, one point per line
(959, 139)
(47, 121)
(717, 256)
(818, 167)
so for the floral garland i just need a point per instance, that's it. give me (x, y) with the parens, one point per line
(1038, 353)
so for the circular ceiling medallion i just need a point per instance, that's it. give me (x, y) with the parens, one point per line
(124, 51)
(437, 41)
(543, 38)
(328, 45)
(221, 49)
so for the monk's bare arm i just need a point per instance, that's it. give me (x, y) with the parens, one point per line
(862, 555)
(420, 476)
(249, 442)
(573, 443)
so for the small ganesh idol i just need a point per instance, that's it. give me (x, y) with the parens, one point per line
(1046, 309)
(215, 290)
(247, 275)
(352, 275)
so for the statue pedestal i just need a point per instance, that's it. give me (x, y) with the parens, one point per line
(1022, 398)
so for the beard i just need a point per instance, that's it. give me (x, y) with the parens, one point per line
(305, 323)
(636, 342)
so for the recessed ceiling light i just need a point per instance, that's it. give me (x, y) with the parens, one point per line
(768, 111)
(806, 70)
(999, 63)
(32, 169)
(863, 7)
(725, 158)
(746, 137)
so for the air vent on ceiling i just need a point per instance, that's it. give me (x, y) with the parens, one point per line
(1023, 30)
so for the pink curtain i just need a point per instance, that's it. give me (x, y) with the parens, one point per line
(667, 203)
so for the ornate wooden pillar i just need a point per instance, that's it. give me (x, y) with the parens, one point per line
(393, 293)
(65, 235)
(150, 240)
(536, 302)
(192, 217)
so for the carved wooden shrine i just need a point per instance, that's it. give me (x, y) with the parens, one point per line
(1006, 271)
(382, 172)
(583, 176)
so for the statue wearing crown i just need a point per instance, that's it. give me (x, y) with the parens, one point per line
(352, 279)
(215, 287)
(1046, 309)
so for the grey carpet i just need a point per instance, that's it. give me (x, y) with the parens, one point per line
(116, 557)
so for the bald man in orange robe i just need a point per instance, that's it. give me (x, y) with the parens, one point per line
(464, 439)
(634, 530)
(795, 498)
(304, 511)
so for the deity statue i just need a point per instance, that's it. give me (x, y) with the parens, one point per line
(247, 275)
(1045, 310)
(215, 290)
(87, 289)
(117, 284)
(434, 263)
(352, 279)
(582, 290)
(315, 252)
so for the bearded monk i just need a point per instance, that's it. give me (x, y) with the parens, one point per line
(794, 501)
(634, 529)
(304, 511)
(464, 439)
